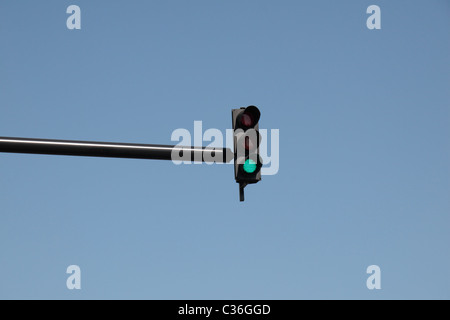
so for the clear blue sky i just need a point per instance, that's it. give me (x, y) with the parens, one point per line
(364, 119)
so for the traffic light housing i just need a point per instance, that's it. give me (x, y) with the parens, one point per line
(246, 138)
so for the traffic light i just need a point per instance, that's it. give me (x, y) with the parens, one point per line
(247, 161)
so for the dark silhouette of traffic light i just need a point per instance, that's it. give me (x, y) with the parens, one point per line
(247, 161)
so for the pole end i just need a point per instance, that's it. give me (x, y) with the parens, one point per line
(241, 191)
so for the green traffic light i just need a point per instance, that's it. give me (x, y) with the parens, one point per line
(249, 166)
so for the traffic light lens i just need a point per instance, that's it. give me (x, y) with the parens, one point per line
(248, 144)
(247, 120)
(249, 166)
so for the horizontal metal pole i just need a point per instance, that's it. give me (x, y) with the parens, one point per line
(114, 150)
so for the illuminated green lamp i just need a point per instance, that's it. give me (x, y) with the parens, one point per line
(250, 166)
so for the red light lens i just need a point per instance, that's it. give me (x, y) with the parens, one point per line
(247, 120)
